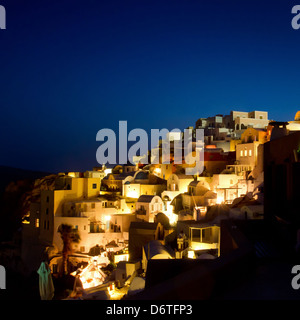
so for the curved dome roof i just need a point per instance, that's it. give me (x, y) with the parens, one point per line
(297, 116)
(210, 194)
(141, 175)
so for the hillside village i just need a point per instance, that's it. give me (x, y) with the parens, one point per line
(128, 216)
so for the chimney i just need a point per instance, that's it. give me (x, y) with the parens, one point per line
(279, 129)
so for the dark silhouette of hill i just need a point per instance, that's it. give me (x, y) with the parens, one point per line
(10, 174)
(15, 183)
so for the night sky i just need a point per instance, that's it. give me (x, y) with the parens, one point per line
(70, 68)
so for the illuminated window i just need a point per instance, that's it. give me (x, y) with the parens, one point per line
(37, 223)
(246, 153)
(250, 153)
(242, 153)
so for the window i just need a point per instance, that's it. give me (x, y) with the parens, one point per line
(47, 199)
(47, 210)
(246, 152)
(37, 223)
(94, 186)
(84, 227)
(250, 153)
(242, 153)
(206, 235)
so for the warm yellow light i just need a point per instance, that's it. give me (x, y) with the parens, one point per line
(107, 171)
(107, 218)
(121, 257)
(71, 174)
(157, 171)
(132, 194)
(220, 200)
(191, 254)
(172, 217)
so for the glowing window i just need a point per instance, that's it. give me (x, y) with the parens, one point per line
(246, 153)
(250, 153)
(242, 153)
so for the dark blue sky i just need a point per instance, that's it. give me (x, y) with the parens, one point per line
(70, 68)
